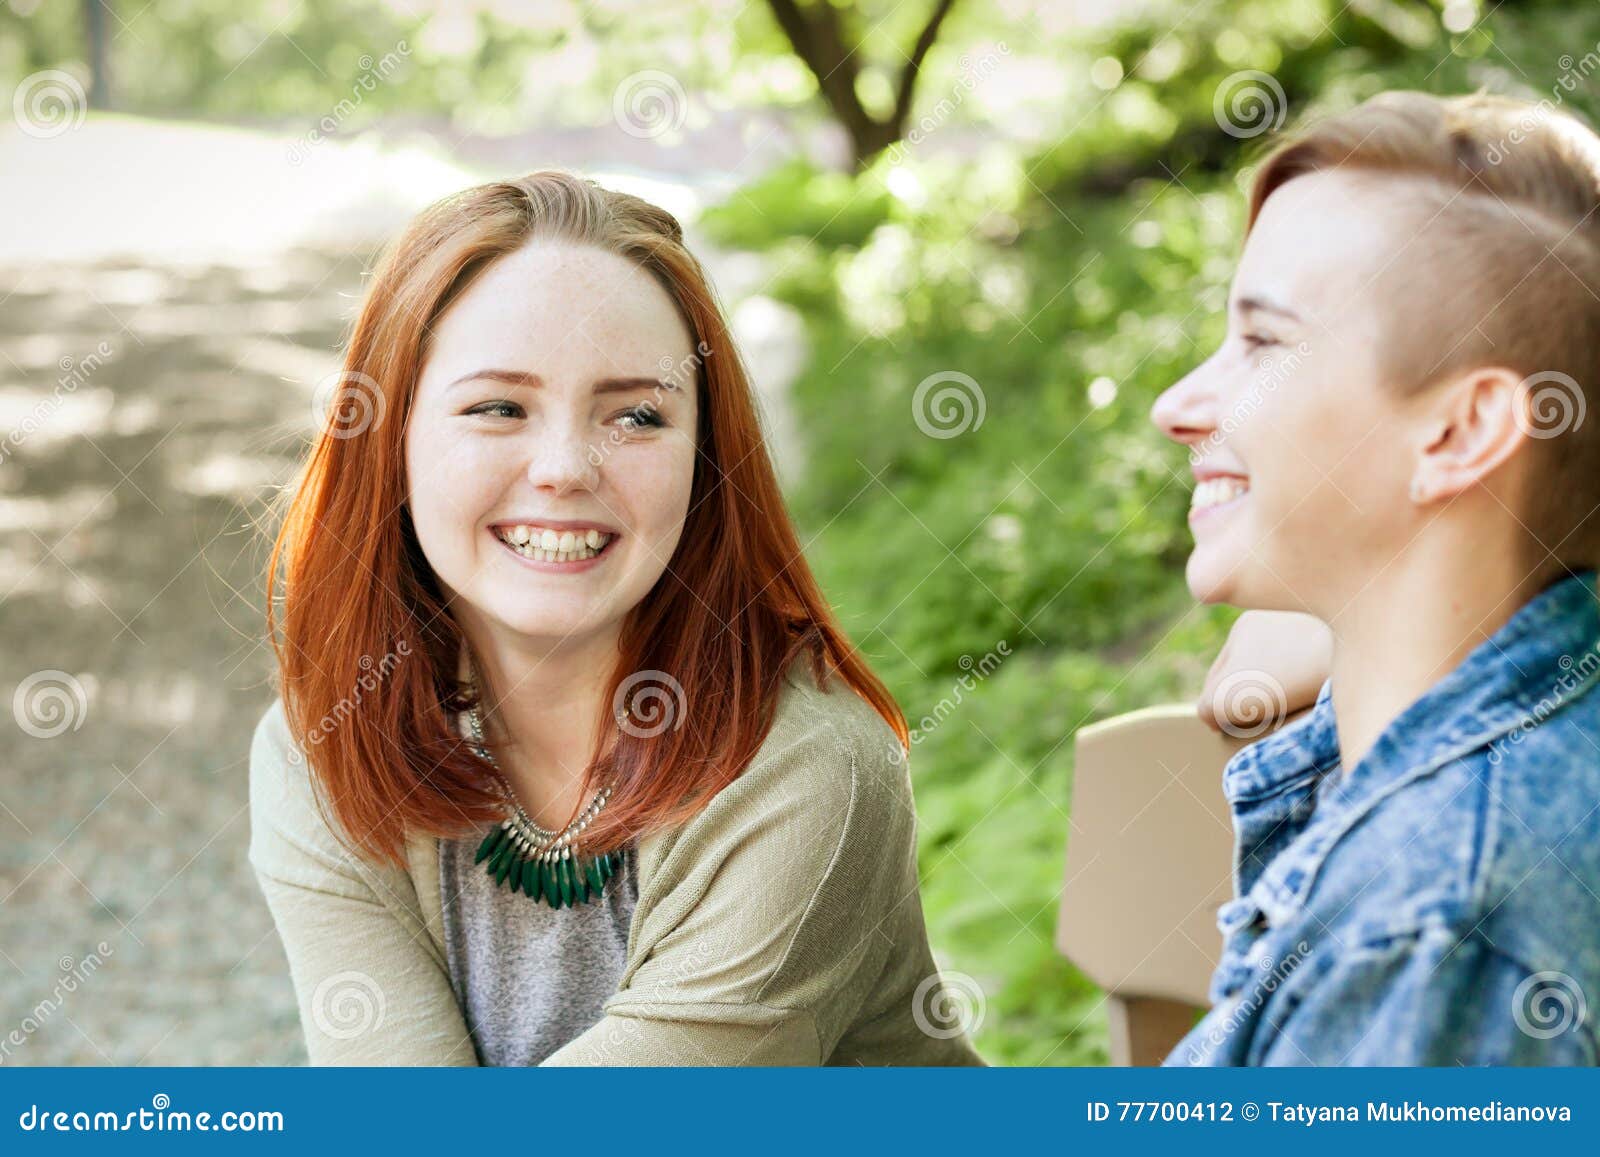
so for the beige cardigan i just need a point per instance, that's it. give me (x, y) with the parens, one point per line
(781, 925)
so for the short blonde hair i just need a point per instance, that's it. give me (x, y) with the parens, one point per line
(1503, 270)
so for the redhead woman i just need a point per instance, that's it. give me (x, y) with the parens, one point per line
(572, 763)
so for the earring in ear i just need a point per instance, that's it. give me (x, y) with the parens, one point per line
(1417, 494)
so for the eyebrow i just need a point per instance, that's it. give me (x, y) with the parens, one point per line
(534, 381)
(1256, 304)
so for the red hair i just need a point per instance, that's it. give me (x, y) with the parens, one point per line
(364, 620)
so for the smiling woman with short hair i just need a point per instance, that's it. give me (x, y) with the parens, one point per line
(572, 763)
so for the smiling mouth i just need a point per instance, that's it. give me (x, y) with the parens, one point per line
(1214, 493)
(543, 544)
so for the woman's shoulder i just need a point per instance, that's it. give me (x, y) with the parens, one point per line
(827, 743)
(290, 835)
(830, 771)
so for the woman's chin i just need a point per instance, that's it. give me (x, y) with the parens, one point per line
(1211, 579)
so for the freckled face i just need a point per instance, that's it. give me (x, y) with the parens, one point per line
(550, 448)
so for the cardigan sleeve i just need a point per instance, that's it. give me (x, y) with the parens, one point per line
(369, 990)
(762, 934)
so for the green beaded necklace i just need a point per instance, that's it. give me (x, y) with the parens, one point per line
(541, 864)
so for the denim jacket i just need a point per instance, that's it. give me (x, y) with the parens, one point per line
(1438, 903)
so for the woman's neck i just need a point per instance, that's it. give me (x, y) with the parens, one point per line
(1409, 627)
(543, 704)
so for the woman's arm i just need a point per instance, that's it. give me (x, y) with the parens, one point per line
(370, 990)
(781, 916)
(1273, 659)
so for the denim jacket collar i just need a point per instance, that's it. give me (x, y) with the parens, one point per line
(1521, 673)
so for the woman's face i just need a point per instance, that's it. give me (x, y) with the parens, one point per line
(550, 449)
(1302, 454)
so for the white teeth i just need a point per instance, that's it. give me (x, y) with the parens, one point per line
(1217, 491)
(554, 546)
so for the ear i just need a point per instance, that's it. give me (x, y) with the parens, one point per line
(1477, 423)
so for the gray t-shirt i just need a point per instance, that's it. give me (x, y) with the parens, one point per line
(529, 978)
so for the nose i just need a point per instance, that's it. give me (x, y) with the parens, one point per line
(563, 461)
(1186, 412)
